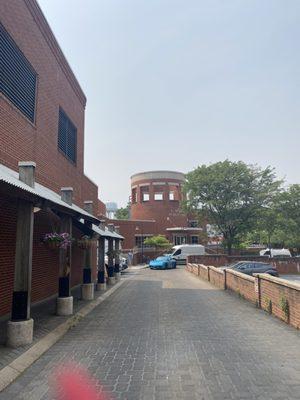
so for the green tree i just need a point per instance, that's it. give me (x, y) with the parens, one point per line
(231, 196)
(158, 242)
(289, 205)
(123, 212)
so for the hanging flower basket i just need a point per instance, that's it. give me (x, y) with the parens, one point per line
(52, 244)
(57, 240)
(84, 242)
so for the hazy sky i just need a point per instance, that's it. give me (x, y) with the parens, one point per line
(173, 84)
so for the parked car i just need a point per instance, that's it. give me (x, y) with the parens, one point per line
(163, 262)
(253, 267)
(123, 263)
(280, 253)
(182, 251)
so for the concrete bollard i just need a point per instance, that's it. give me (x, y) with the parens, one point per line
(87, 291)
(111, 280)
(101, 286)
(19, 333)
(64, 305)
(118, 276)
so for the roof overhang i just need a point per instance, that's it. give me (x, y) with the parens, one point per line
(40, 195)
(184, 229)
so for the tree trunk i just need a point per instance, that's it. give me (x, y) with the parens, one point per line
(229, 247)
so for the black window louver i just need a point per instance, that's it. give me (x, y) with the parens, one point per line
(17, 77)
(67, 136)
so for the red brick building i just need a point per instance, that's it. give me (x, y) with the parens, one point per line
(155, 209)
(42, 109)
(33, 134)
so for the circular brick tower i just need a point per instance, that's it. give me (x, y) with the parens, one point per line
(156, 195)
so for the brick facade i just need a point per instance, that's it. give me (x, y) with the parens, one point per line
(57, 87)
(22, 140)
(165, 212)
(150, 216)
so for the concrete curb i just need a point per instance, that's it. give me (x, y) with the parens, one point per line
(13, 370)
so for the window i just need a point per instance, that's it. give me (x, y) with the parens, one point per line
(180, 240)
(67, 136)
(18, 78)
(134, 196)
(177, 252)
(171, 196)
(194, 239)
(158, 196)
(193, 223)
(140, 239)
(146, 196)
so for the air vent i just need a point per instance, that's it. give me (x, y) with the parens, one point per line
(67, 136)
(17, 78)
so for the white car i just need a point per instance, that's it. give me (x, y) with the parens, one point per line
(181, 252)
(123, 262)
(275, 253)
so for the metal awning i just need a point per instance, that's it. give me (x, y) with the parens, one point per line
(10, 178)
(96, 229)
(107, 233)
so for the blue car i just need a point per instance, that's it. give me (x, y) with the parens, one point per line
(163, 262)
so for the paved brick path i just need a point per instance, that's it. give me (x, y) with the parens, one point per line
(168, 335)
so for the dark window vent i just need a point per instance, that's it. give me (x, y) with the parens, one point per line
(17, 77)
(67, 136)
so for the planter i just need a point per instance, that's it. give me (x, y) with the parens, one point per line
(53, 244)
(57, 240)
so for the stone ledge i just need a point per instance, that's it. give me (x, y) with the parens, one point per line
(279, 281)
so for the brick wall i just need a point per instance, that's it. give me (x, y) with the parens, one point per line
(101, 209)
(77, 260)
(128, 229)
(45, 261)
(241, 284)
(216, 277)
(274, 295)
(283, 265)
(203, 272)
(8, 224)
(21, 140)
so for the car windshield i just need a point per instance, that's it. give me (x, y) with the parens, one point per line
(160, 258)
(235, 264)
(263, 265)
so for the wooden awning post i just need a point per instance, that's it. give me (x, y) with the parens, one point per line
(87, 288)
(117, 256)
(65, 300)
(111, 277)
(101, 281)
(20, 328)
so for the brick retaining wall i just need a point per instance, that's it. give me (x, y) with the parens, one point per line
(241, 284)
(216, 277)
(275, 295)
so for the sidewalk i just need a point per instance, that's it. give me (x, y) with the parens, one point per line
(46, 321)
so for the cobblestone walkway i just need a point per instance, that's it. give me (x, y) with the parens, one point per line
(168, 335)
